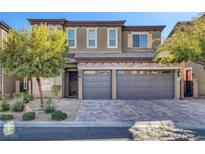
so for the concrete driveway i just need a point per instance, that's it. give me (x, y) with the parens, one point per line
(186, 111)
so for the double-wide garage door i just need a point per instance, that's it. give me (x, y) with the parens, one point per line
(133, 84)
(145, 84)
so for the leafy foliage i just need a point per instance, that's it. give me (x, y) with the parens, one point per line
(187, 43)
(27, 97)
(58, 115)
(18, 95)
(29, 116)
(35, 53)
(56, 89)
(5, 106)
(6, 116)
(17, 105)
(50, 106)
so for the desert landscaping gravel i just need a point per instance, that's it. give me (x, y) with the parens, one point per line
(68, 106)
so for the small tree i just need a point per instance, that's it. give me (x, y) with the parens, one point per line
(34, 53)
(187, 43)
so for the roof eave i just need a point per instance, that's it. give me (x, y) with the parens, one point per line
(4, 26)
(51, 21)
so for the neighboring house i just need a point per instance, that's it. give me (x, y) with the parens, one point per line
(110, 60)
(7, 83)
(192, 75)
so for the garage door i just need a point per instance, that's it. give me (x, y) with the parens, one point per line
(97, 85)
(145, 84)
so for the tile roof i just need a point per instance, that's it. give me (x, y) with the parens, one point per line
(144, 28)
(122, 55)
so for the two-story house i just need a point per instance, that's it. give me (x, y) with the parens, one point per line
(110, 60)
(7, 83)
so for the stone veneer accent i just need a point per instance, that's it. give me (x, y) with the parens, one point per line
(128, 65)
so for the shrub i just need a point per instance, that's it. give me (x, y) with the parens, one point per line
(5, 106)
(29, 116)
(50, 106)
(58, 115)
(17, 105)
(30, 96)
(27, 97)
(18, 95)
(6, 116)
(56, 89)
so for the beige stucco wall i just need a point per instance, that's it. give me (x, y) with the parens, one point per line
(154, 40)
(198, 73)
(101, 40)
(47, 93)
(8, 84)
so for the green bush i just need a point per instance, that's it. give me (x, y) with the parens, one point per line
(6, 116)
(17, 105)
(27, 97)
(24, 96)
(56, 89)
(30, 96)
(50, 106)
(18, 95)
(58, 115)
(29, 116)
(5, 106)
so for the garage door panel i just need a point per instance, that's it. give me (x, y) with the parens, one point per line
(145, 86)
(97, 85)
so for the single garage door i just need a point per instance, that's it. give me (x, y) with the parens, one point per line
(97, 85)
(145, 84)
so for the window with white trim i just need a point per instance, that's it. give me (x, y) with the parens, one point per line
(72, 37)
(91, 38)
(139, 40)
(112, 37)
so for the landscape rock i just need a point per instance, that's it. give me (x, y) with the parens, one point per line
(159, 131)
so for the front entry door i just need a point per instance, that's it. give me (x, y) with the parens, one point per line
(188, 83)
(73, 84)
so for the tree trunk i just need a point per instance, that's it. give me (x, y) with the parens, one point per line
(40, 90)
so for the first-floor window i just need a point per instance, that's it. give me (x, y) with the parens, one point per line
(139, 40)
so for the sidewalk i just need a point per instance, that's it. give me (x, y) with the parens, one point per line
(27, 124)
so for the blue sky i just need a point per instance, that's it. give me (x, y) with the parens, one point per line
(19, 20)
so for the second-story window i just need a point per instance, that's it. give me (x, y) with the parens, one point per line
(92, 38)
(139, 40)
(112, 38)
(72, 38)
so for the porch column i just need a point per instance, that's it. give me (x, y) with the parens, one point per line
(195, 88)
(182, 89)
(177, 85)
(114, 85)
(80, 84)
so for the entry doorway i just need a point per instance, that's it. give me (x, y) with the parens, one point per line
(188, 83)
(71, 88)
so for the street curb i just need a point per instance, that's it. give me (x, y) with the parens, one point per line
(190, 126)
(29, 124)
